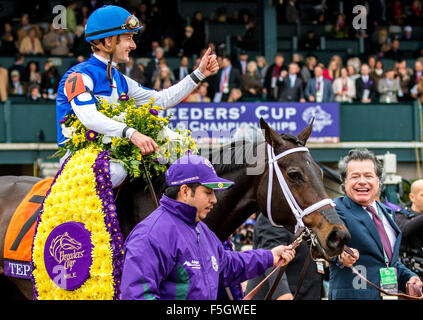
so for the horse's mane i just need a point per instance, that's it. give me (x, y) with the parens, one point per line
(232, 156)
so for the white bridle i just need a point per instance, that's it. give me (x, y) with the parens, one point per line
(296, 210)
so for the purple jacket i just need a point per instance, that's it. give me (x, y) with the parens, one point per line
(170, 256)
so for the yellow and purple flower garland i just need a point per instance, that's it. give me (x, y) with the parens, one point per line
(82, 192)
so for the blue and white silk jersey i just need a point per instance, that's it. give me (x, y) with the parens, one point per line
(94, 76)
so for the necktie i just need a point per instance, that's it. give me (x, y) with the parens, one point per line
(225, 77)
(318, 85)
(382, 233)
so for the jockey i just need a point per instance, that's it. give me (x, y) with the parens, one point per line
(109, 31)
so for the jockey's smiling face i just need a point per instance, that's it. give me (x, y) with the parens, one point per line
(124, 46)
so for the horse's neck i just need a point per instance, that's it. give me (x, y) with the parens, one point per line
(234, 205)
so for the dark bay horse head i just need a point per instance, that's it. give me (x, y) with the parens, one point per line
(305, 181)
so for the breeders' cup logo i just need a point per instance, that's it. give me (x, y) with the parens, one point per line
(321, 117)
(64, 249)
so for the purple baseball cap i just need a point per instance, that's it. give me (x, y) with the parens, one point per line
(194, 168)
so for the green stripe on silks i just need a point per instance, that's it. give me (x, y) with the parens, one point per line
(217, 185)
(145, 294)
(182, 283)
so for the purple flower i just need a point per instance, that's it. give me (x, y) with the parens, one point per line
(91, 135)
(64, 119)
(155, 112)
(123, 97)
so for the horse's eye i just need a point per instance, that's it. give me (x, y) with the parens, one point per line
(295, 176)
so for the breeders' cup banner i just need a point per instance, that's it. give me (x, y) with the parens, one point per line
(223, 122)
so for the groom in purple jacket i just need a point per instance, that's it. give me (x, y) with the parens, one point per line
(172, 254)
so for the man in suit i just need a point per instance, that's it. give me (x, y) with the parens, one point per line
(183, 69)
(365, 87)
(319, 89)
(375, 237)
(267, 236)
(290, 85)
(226, 79)
(271, 77)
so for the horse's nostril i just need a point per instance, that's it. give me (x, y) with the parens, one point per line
(335, 239)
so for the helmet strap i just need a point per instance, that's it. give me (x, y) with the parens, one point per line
(100, 46)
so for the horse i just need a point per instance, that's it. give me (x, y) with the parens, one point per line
(246, 165)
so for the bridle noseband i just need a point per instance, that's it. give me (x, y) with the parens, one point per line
(298, 212)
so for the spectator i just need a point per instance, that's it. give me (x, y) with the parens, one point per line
(33, 72)
(310, 43)
(188, 47)
(267, 236)
(25, 27)
(365, 86)
(394, 53)
(352, 72)
(199, 35)
(417, 91)
(241, 65)
(8, 38)
(404, 75)
(17, 87)
(235, 95)
(49, 83)
(183, 70)
(251, 38)
(19, 65)
(319, 89)
(307, 71)
(290, 85)
(30, 44)
(60, 43)
(163, 78)
(408, 34)
(371, 61)
(270, 87)
(71, 15)
(251, 81)
(389, 87)
(410, 221)
(163, 62)
(382, 42)
(83, 15)
(291, 13)
(341, 30)
(153, 65)
(417, 74)
(168, 46)
(133, 70)
(80, 45)
(344, 87)
(332, 71)
(199, 94)
(378, 73)
(375, 237)
(34, 94)
(4, 84)
(261, 66)
(227, 78)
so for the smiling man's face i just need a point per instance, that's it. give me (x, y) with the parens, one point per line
(362, 183)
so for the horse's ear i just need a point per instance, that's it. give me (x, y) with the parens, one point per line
(270, 135)
(305, 134)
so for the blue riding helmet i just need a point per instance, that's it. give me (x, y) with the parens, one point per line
(108, 21)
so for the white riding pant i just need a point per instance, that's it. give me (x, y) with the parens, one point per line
(117, 170)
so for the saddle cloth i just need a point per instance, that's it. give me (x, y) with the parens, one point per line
(21, 230)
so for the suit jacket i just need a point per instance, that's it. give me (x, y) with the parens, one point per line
(271, 95)
(343, 284)
(286, 93)
(310, 90)
(235, 81)
(177, 71)
(267, 236)
(360, 86)
(388, 93)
